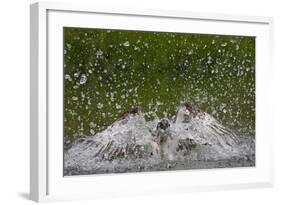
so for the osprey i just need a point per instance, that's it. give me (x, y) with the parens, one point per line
(167, 141)
(192, 133)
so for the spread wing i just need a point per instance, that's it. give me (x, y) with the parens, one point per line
(203, 128)
(126, 138)
(132, 138)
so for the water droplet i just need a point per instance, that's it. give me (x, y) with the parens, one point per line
(99, 53)
(99, 105)
(68, 46)
(67, 77)
(93, 125)
(92, 131)
(126, 44)
(74, 98)
(83, 79)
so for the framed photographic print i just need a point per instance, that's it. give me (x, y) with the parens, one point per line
(127, 102)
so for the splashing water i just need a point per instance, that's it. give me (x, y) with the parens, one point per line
(193, 140)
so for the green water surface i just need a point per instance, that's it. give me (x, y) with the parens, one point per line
(107, 72)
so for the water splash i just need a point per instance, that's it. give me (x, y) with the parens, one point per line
(134, 144)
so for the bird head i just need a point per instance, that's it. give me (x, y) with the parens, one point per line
(163, 124)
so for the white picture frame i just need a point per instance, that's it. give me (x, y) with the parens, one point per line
(46, 177)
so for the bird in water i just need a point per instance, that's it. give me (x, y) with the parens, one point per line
(133, 137)
(167, 142)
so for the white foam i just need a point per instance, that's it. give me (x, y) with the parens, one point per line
(131, 142)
